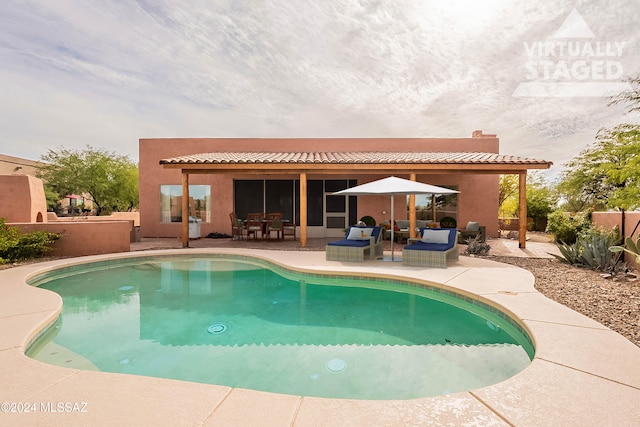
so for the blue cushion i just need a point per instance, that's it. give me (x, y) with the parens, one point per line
(422, 246)
(357, 243)
(347, 242)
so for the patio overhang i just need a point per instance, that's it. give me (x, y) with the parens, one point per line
(353, 163)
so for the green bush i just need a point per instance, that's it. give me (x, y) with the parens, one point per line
(369, 220)
(567, 226)
(17, 246)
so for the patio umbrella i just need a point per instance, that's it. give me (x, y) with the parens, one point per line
(393, 186)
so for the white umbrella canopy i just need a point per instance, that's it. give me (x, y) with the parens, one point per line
(393, 186)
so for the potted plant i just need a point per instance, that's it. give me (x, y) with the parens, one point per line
(369, 220)
(448, 222)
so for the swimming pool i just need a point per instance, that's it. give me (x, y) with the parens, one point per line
(244, 322)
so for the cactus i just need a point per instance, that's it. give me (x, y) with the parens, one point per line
(631, 247)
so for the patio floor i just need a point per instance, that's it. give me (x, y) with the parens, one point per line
(538, 246)
(582, 374)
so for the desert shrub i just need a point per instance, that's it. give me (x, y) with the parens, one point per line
(8, 238)
(567, 226)
(475, 246)
(17, 246)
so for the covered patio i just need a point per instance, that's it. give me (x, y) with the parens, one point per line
(416, 166)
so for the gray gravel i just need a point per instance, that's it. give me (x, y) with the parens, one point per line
(613, 302)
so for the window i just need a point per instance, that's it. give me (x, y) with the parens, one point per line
(171, 202)
(446, 205)
(272, 195)
(275, 195)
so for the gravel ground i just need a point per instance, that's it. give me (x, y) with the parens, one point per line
(613, 302)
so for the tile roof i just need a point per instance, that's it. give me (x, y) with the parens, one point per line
(352, 157)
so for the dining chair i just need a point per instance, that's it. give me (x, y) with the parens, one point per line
(289, 229)
(254, 225)
(274, 223)
(237, 227)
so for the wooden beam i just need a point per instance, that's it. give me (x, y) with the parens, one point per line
(303, 210)
(412, 211)
(185, 209)
(522, 215)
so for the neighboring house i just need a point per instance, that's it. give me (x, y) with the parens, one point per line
(245, 175)
(71, 204)
(15, 165)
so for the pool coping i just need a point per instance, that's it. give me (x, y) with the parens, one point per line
(582, 374)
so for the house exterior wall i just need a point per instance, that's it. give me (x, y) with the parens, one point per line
(16, 165)
(23, 199)
(478, 199)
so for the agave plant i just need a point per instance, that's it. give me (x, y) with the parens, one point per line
(631, 247)
(475, 246)
(592, 251)
(596, 253)
(571, 253)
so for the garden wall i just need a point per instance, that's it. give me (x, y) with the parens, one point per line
(79, 238)
(609, 220)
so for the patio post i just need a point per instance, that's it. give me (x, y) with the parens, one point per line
(412, 211)
(522, 215)
(185, 209)
(303, 209)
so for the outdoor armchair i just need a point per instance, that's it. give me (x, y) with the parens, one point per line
(434, 247)
(472, 230)
(358, 242)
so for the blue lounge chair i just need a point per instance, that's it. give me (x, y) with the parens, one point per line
(358, 241)
(432, 249)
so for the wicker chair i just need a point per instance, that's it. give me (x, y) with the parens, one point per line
(473, 230)
(423, 253)
(355, 248)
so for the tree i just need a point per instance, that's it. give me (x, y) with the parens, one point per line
(607, 174)
(541, 200)
(111, 180)
(507, 196)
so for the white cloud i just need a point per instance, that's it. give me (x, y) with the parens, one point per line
(106, 73)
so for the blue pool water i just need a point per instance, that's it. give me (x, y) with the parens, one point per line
(246, 323)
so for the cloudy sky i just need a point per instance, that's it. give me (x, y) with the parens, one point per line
(108, 72)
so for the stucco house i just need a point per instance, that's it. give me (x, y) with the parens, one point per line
(297, 176)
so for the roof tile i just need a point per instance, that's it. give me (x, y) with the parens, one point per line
(375, 157)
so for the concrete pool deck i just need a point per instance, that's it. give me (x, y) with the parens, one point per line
(582, 374)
